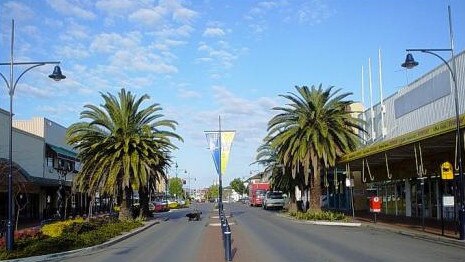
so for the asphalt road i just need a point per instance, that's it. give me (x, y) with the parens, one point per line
(274, 238)
(285, 240)
(175, 239)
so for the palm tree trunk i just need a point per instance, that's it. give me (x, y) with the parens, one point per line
(144, 202)
(315, 192)
(125, 209)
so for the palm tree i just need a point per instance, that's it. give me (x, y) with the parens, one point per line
(121, 147)
(313, 130)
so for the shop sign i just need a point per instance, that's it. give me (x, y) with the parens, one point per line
(448, 201)
(447, 171)
(349, 182)
(375, 204)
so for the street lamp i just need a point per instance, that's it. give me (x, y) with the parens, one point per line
(63, 168)
(11, 85)
(410, 63)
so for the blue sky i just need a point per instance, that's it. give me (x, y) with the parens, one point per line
(204, 58)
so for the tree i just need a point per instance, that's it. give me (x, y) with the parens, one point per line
(313, 130)
(238, 185)
(213, 192)
(175, 186)
(121, 147)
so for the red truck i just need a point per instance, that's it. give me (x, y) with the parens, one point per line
(257, 192)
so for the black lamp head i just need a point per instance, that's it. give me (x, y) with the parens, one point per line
(409, 62)
(57, 75)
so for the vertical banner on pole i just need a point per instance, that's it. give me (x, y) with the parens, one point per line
(213, 140)
(226, 142)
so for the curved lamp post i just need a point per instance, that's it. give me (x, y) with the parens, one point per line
(11, 85)
(411, 63)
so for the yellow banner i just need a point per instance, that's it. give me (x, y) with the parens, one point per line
(226, 142)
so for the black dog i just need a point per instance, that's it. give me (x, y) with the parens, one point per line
(194, 216)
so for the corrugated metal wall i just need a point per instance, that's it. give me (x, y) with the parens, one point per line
(34, 126)
(442, 106)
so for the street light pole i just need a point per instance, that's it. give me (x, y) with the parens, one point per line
(410, 63)
(11, 85)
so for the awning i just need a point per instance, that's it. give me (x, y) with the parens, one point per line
(433, 145)
(64, 153)
(426, 133)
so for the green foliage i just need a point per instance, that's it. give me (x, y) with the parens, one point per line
(56, 228)
(312, 131)
(213, 192)
(238, 185)
(121, 145)
(175, 186)
(319, 215)
(73, 236)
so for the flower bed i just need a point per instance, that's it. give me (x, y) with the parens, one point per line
(73, 235)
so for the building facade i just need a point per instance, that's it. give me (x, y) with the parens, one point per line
(409, 135)
(43, 169)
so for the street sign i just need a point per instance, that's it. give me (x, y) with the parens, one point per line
(448, 201)
(375, 204)
(349, 182)
(447, 171)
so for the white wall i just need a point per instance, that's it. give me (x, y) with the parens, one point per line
(28, 152)
(4, 134)
(435, 87)
(28, 149)
(55, 133)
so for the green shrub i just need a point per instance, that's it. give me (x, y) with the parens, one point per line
(319, 215)
(73, 236)
(55, 229)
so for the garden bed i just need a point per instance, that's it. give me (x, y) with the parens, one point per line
(67, 235)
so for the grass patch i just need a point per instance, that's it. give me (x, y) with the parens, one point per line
(74, 235)
(319, 216)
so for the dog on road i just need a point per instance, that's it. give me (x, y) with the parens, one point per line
(194, 216)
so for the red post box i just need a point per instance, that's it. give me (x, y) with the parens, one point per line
(375, 204)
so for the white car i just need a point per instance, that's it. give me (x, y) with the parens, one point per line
(273, 199)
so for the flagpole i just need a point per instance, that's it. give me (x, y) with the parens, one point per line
(220, 193)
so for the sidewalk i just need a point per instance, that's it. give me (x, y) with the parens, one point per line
(413, 227)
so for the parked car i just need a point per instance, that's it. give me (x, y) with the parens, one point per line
(173, 204)
(159, 206)
(273, 199)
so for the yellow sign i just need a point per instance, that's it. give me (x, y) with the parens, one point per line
(447, 171)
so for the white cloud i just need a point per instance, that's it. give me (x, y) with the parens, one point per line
(34, 91)
(249, 117)
(267, 4)
(184, 15)
(73, 52)
(213, 32)
(139, 60)
(150, 17)
(179, 12)
(18, 11)
(175, 32)
(221, 56)
(188, 94)
(111, 42)
(112, 6)
(165, 11)
(75, 32)
(167, 44)
(71, 8)
(314, 12)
